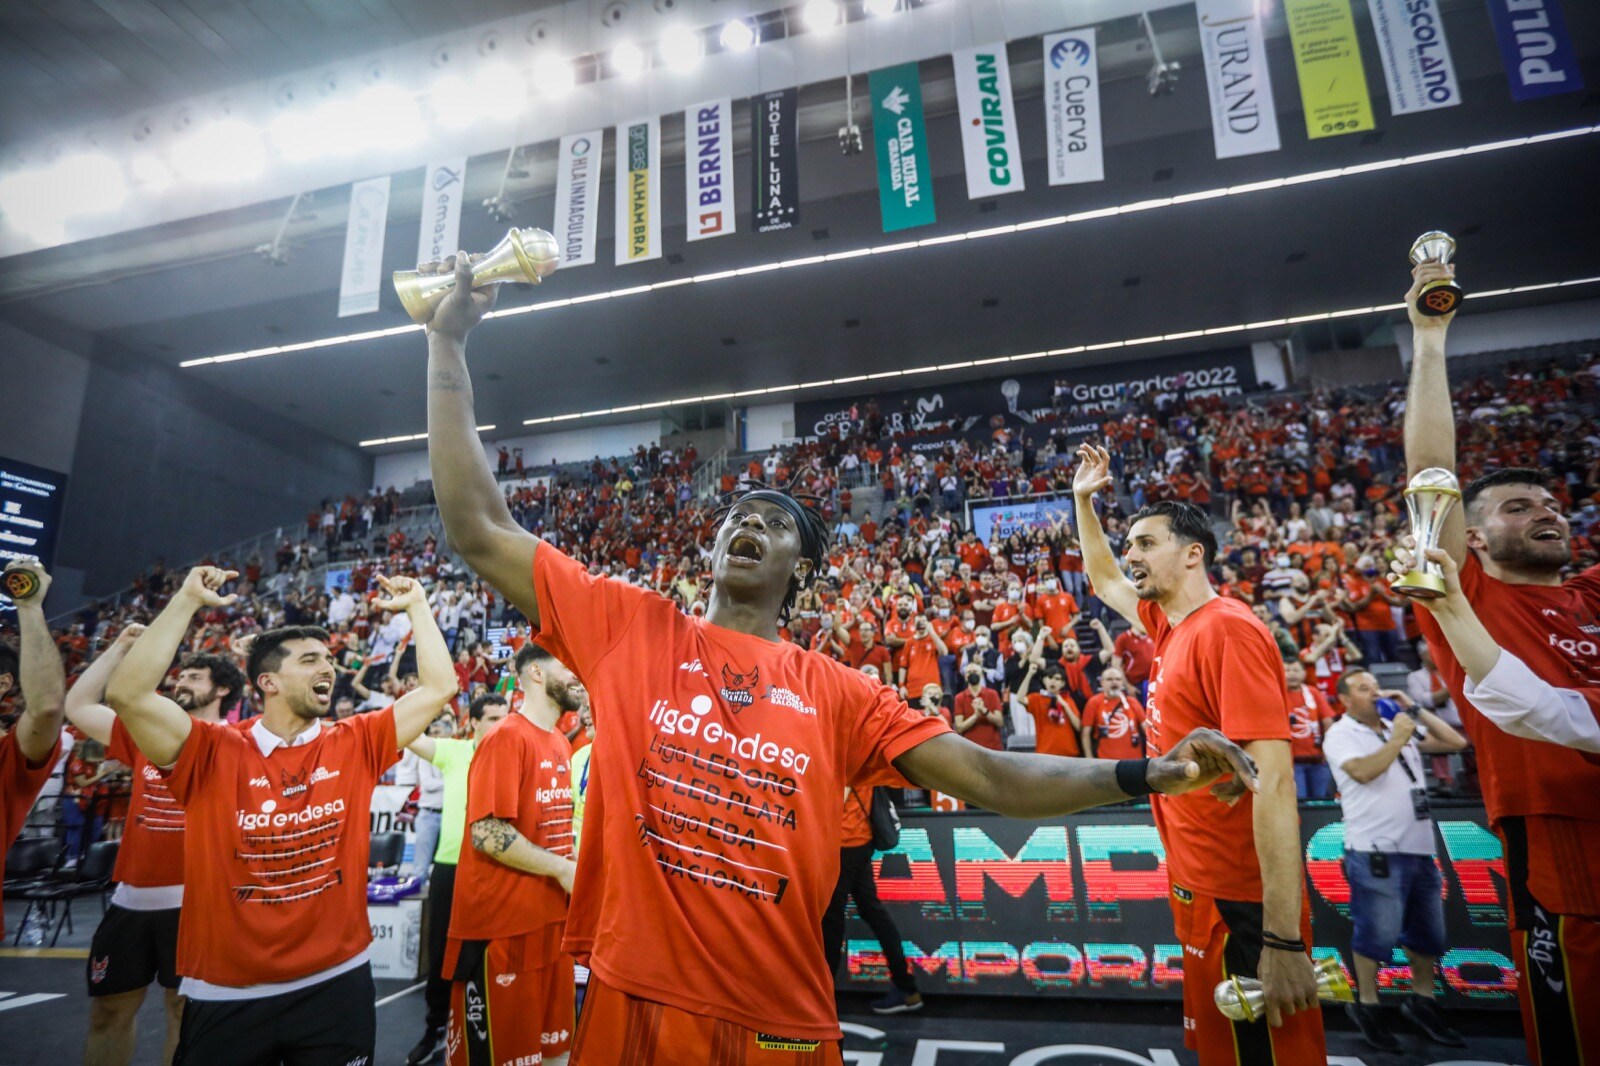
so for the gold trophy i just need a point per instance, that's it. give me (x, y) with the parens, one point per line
(1429, 496)
(1442, 296)
(526, 255)
(21, 584)
(1241, 998)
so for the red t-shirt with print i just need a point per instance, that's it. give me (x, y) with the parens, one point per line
(151, 854)
(1120, 718)
(20, 784)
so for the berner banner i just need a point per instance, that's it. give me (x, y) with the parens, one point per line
(708, 173)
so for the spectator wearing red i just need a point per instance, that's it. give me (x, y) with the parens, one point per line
(866, 651)
(919, 659)
(1113, 721)
(1368, 605)
(1057, 727)
(979, 715)
(1310, 715)
(1137, 653)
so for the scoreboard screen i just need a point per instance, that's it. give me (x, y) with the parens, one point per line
(30, 514)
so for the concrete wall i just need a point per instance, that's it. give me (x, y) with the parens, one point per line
(1525, 327)
(404, 469)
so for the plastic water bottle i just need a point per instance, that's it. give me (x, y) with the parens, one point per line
(32, 933)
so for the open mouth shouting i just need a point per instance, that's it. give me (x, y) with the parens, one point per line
(1549, 533)
(1138, 575)
(322, 689)
(745, 549)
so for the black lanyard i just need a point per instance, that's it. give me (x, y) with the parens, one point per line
(1401, 758)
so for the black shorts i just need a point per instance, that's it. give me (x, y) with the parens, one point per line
(131, 949)
(332, 1023)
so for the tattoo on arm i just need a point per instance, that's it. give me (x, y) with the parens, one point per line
(447, 379)
(493, 835)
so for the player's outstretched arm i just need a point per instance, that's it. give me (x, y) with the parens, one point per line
(437, 683)
(85, 702)
(1430, 427)
(475, 515)
(1286, 976)
(40, 674)
(1110, 584)
(159, 726)
(500, 841)
(1023, 785)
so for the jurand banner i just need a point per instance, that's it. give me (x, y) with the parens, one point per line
(1416, 56)
(361, 278)
(972, 410)
(1074, 147)
(1327, 58)
(1077, 907)
(578, 197)
(708, 169)
(905, 180)
(988, 121)
(442, 187)
(639, 190)
(1535, 47)
(774, 140)
(1244, 119)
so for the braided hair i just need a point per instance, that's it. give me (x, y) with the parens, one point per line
(802, 506)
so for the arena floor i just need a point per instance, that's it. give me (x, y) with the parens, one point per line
(42, 1012)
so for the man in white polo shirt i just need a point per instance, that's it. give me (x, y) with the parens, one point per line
(1389, 848)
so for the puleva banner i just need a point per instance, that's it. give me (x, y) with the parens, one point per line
(1333, 83)
(988, 121)
(362, 274)
(708, 170)
(774, 139)
(639, 190)
(905, 180)
(1074, 148)
(1535, 48)
(1244, 119)
(1416, 57)
(578, 196)
(442, 186)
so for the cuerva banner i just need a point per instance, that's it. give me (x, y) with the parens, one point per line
(639, 190)
(1244, 119)
(443, 185)
(1074, 148)
(905, 180)
(578, 197)
(362, 275)
(708, 169)
(1416, 57)
(988, 121)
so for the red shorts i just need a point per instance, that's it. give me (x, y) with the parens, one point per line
(504, 1006)
(1222, 939)
(1549, 865)
(617, 1029)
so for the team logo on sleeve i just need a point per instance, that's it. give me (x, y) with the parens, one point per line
(736, 687)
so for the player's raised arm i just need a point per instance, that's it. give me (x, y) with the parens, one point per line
(1430, 427)
(158, 725)
(437, 684)
(39, 672)
(1110, 584)
(85, 702)
(475, 515)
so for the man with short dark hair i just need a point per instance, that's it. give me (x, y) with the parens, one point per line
(272, 941)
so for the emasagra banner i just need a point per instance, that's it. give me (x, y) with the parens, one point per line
(708, 169)
(988, 121)
(639, 190)
(905, 178)
(1327, 61)
(1074, 146)
(1417, 68)
(1244, 117)
(577, 206)
(443, 185)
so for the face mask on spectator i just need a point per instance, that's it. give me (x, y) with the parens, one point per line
(1014, 595)
(969, 624)
(982, 642)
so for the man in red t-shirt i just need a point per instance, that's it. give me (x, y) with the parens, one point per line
(1512, 542)
(919, 659)
(273, 934)
(137, 941)
(978, 714)
(513, 995)
(721, 758)
(1137, 652)
(1310, 715)
(1114, 718)
(866, 651)
(29, 752)
(1238, 901)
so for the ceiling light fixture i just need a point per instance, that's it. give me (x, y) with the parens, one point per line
(554, 76)
(150, 173)
(680, 48)
(880, 8)
(901, 246)
(627, 60)
(737, 36)
(451, 102)
(227, 150)
(499, 91)
(819, 16)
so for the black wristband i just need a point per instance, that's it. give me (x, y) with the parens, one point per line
(1132, 776)
(1279, 944)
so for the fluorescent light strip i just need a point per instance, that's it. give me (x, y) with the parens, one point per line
(928, 242)
(1160, 338)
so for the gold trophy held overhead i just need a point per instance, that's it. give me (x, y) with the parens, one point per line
(527, 256)
(1443, 295)
(1430, 495)
(1242, 999)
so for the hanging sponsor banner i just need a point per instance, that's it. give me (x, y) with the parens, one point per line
(362, 275)
(578, 197)
(1074, 150)
(1333, 83)
(1244, 118)
(1078, 906)
(975, 410)
(639, 190)
(1416, 57)
(988, 121)
(774, 135)
(708, 169)
(1535, 48)
(442, 188)
(905, 180)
